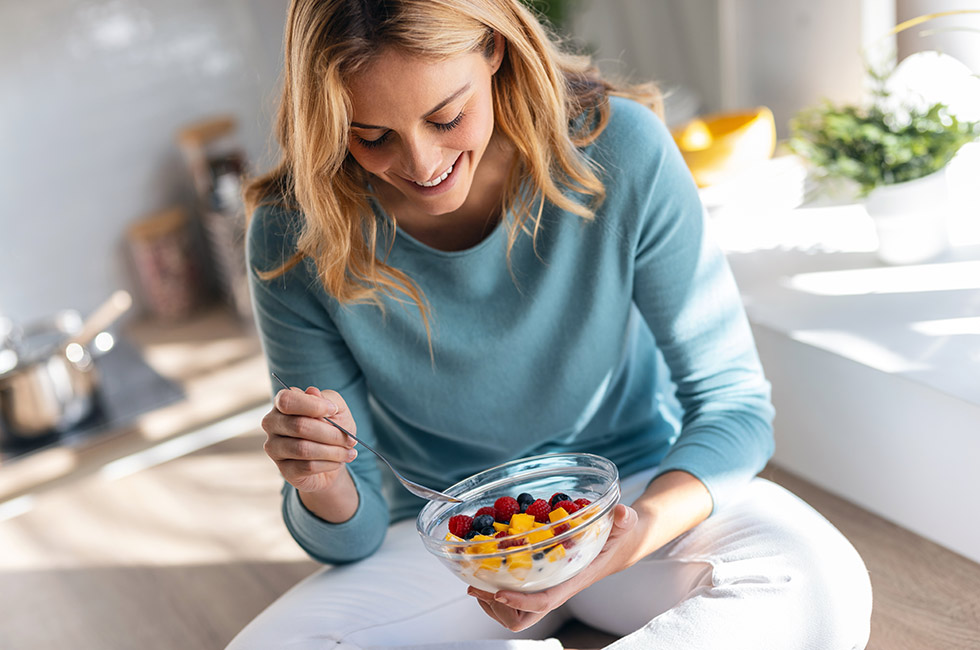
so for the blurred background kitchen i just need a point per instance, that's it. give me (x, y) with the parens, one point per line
(125, 129)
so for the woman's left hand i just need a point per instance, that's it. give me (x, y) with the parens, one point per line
(517, 611)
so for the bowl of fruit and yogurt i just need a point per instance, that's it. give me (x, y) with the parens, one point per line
(526, 525)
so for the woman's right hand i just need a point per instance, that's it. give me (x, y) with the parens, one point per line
(311, 454)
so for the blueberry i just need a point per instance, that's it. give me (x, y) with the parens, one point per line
(482, 524)
(558, 496)
(524, 500)
(538, 556)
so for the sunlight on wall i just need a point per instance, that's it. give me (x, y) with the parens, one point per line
(898, 279)
(949, 326)
(858, 348)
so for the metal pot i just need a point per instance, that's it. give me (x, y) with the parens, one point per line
(53, 385)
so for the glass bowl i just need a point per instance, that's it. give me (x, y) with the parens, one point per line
(526, 559)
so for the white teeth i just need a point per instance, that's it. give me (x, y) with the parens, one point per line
(436, 181)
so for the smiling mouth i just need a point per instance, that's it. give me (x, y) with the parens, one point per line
(441, 177)
(438, 179)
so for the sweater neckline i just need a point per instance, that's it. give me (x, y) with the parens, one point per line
(400, 234)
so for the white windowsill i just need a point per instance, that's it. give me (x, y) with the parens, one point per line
(875, 369)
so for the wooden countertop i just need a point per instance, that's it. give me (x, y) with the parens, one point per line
(217, 361)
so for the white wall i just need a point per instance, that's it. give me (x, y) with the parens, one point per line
(958, 36)
(91, 95)
(671, 43)
(785, 54)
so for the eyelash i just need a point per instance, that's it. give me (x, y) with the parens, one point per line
(442, 126)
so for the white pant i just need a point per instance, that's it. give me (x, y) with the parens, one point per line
(765, 572)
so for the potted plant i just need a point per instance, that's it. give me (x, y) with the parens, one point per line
(895, 152)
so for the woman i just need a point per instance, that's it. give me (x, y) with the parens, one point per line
(475, 250)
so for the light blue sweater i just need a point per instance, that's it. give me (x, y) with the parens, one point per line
(563, 351)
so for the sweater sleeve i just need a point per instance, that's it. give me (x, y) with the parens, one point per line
(685, 290)
(302, 346)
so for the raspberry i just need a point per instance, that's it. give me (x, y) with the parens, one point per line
(505, 508)
(539, 510)
(581, 503)
(567, 505)
(507, 543)
(561, 528)
(558, 496)
(459, 525)
(485, 510)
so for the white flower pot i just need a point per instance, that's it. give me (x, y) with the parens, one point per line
(911, 219)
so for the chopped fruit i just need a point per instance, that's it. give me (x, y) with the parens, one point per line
(492, 563)
(539, 535)
(539, 510)
(505, 508)
(556, 497)
(499, 535)
(460, 525)
(566, 505)
(524, 500)
(507, 543)
(520, 561)
(482, 549)
(556, 552)
(521, 522)
(556, 514)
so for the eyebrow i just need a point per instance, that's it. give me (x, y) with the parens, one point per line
(435, 109)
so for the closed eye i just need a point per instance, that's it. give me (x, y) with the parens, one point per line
(442, 126)
(450, 125)
(374, 143)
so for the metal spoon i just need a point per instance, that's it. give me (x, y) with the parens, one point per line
(411, 486)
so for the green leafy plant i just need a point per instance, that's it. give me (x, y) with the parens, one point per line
(885, 142)
(874, 145)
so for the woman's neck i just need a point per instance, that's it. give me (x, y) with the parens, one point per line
(475, 219)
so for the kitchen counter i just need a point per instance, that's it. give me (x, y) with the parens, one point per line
(214, 358)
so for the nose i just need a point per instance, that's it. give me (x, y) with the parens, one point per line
(421, 160)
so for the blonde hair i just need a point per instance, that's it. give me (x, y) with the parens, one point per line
(539, 91)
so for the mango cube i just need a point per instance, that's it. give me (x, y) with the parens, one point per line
(555, 553)
(491, 563)
(556, 514)
(520, 523)
(489, 547)
(538, 535)
(519, 561)
(499, 527)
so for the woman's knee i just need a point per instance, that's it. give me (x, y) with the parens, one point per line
(827, 577)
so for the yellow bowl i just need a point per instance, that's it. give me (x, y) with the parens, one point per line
(717, 147)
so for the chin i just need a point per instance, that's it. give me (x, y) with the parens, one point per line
(442, 205)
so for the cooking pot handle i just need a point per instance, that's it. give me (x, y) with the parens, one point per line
(104, 316)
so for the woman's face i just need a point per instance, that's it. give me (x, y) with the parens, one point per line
(422, 128)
